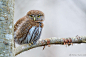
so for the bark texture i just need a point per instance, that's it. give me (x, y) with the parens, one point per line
(6, 28)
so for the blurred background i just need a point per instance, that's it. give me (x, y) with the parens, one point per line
(63, 18)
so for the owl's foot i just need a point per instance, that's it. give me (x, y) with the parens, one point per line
(29, 44)
(67, 42)
(32, 43)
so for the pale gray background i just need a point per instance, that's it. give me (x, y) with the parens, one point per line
(63, 18)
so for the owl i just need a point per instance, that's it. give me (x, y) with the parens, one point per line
(28, 28)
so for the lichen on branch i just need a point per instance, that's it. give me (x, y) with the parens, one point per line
(49, 41)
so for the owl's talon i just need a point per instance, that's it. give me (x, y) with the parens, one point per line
(29, 44)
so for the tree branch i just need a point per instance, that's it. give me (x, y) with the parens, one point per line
(53, 40)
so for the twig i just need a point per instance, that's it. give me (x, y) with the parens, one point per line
(53, 40)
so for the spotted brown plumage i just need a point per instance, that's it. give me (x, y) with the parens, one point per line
(28, 28)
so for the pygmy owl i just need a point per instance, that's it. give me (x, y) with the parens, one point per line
(28, 28)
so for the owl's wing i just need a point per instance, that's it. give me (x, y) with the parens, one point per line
(34, 35)
(18, 23)
(21, 32)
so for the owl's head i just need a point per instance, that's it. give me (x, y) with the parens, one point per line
(35, 15)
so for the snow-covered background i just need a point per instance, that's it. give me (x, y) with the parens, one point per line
(63, 18)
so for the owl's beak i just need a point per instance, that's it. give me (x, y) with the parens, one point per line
(34, 18)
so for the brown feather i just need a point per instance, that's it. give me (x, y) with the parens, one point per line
(24, 24)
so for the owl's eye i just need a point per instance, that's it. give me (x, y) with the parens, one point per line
(31, 16)
(38, 16)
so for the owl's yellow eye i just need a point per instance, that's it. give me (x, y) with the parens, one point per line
(38, 16)
(31, 16)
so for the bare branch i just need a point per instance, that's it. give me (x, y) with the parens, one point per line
(53, 40)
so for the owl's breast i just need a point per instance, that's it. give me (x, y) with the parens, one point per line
(28, 34)
(34, 34)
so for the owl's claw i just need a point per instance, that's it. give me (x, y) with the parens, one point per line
(29, 44)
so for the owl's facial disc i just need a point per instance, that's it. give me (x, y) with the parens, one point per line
(33, 17)
(36, 17)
